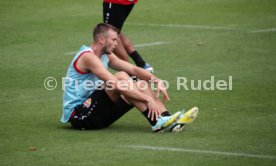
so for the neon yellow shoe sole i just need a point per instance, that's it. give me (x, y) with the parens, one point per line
(186, 118)
(173, 119)
(189, 116)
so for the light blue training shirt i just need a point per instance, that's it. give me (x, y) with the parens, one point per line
(78, 85)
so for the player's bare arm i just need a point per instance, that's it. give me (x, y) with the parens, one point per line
(90, 62)
(120, 65)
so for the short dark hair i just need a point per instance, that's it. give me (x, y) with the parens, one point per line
(102, 28)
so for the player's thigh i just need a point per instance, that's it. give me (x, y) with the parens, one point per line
(94, 112)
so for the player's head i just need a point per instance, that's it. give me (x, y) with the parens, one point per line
(106, 35)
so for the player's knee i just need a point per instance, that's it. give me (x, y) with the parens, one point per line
(142, 85)
(122, 75)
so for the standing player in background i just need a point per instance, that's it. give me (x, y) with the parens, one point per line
(115, 12)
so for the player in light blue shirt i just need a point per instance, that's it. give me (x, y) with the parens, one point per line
(75, 86)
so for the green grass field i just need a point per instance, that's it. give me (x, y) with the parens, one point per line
(199, 39)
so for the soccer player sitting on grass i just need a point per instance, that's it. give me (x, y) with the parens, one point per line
(94, 98)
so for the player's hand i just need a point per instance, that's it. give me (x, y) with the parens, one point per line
(161, 88)
(154, 111)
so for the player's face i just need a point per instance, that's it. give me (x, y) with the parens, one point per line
(110, 42)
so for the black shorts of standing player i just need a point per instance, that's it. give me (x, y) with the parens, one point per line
(116, 14)
(98, 111)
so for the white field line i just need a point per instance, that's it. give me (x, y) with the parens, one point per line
(70, 53)
(204, 27)
(137, 45)
(209, 152)
(151, 44)
(264, 30)
(186, 26)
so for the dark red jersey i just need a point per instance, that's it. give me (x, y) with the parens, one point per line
(122, 2)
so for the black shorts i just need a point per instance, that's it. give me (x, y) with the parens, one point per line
(98, 111)
(116, 14)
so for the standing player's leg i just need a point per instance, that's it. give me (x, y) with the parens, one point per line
(131, 51)
(114, 14)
